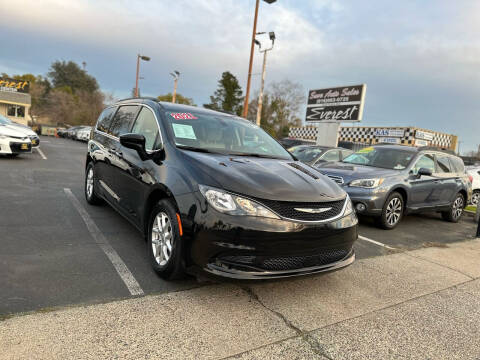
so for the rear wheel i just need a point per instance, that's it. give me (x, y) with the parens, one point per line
(392, 212)
(90, 194)
(164, 244)
(456, 209)
(475, 197)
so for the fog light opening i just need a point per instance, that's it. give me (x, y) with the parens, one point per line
(360, 207)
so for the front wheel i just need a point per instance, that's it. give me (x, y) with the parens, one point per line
(456, 209)
(392, 212)
(164, 243)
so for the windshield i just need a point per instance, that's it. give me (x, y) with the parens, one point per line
(387, 158)
(306, 153)
(4, 120)
(223, 134)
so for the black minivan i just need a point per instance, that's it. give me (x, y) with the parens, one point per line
(214, 192)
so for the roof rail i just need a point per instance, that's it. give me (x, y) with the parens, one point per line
(140, 98)
(434, 148)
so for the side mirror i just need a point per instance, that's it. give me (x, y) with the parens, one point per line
(135, 142)
(424, 172)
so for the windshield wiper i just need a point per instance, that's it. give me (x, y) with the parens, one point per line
(264, 156)
(193, 148)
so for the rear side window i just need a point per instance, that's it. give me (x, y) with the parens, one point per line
(443, 164)
(123, 120)
(457, 164)
(332, 155)
(105, 119)
(146, 125)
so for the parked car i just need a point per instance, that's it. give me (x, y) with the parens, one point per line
(388, 181)
(474, 172)
(83, 134)
(61, 132)
(315, 154)
(207, 200)
(70, 133)
(32, 135)
(13, 142)
(290, 142)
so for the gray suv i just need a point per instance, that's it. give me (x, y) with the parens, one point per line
(388, 181)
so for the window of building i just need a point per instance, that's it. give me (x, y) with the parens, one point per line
(16, 111)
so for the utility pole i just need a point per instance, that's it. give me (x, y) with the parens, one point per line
(176, 75)
(144, 58)
(264, 71)
(252, 49)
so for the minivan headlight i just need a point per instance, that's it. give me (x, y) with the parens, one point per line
(233, 204)
(348, 206)
(367, 183)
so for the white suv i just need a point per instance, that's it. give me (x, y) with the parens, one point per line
(474, 172)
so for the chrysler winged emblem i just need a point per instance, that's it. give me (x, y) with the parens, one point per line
(313, 211)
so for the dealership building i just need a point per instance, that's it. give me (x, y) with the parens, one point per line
(15, 101)
(366, 135)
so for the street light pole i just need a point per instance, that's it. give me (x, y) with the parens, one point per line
(176, 75)
(264, 71)
(252, 49)
(144, 58)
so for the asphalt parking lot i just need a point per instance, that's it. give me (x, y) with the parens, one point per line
(52, 256)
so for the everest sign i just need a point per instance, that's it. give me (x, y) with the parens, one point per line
(336, 104)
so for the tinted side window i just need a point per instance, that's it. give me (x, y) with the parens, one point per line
(123, 120)
(146, 125)
(332, 155)
(443, 164)
(457, 164)
(346, 153)
(426, 161)
(105, 119)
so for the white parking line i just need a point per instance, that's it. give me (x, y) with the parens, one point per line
(376, 242)
(122, 269)
(41, 153)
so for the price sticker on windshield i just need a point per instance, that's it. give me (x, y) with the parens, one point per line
(183, 116)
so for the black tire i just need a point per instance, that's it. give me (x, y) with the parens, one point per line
(475, 197)
(90, 195)
(456, 209)
(173, 267)
(392, 212)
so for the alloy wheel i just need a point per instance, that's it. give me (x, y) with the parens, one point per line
(89, 184)
(457, 208)
(394, 211)
(162, 239)
(475, 198)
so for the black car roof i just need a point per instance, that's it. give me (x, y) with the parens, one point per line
(319, 147)
(415, 149)
(168, 106)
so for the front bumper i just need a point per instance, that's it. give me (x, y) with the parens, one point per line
(244, 247)
(19, 147)
(234, 273)
(373, 199)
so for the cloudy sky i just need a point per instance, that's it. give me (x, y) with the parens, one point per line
(420, 59)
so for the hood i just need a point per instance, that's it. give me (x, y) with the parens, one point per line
(351, 172)
(9, 130)
(271, 179)
(23, 129)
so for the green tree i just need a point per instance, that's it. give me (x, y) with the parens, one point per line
(282, 102)
(228, 96)
(70, 75)
(180, 99)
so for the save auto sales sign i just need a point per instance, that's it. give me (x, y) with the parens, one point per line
(336, 104)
